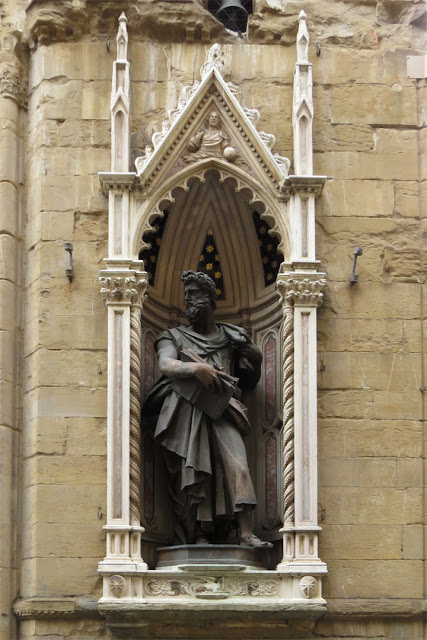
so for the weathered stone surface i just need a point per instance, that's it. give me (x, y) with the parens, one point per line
(360, 627)
(384, 336)
(46, 576)
(393, 372)
(339, 65)
(358, 542)
(58, 368)
(374, 104)
(66, 402)
(378, 301)
(47, 436)
(57, 470)
(82, 506)
(365, 578)
(342, 137)
(363, 472)
(405, 264)
(74, 61)
(348, 165)
(412, 542)
(379, 438)
(72, 540)
(384, 506)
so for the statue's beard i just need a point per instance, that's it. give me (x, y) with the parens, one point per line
(197, 310)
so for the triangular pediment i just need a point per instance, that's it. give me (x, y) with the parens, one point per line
(211, 123)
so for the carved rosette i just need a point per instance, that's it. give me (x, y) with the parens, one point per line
(308, 586)
(117, 585)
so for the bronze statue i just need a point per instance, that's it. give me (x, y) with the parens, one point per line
(200, 421)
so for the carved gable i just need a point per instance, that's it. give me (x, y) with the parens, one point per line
(210, 126)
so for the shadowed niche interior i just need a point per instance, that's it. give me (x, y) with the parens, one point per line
(214, 228)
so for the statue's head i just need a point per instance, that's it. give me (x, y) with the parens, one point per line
(200, 293)
(214, 120)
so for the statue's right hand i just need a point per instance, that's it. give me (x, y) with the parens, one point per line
(205, 373)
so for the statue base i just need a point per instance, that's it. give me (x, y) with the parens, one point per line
(203, 556)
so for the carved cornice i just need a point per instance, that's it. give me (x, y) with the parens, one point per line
(55, 607)
(120, 288)
(301, 289)
(303, 185)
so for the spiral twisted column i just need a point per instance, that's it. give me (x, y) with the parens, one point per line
(288, 414)
(135, 410)
(123, 288)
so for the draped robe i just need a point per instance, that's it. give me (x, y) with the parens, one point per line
(206, 458)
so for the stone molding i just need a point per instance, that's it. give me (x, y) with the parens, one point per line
(337, 608)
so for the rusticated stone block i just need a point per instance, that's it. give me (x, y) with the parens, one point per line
(341, 65)
(56, 368)
(367, 578)
(57, 470)
(363, 335)
(66, 540)
(378, 301)
(358, 472)
(378, 438)
(374, 104)
(382, 505)
(392, 372)
(412, 542)
(92, 430)
(45, 576)
(66, 402)
(348, 165)
(47, 436)
(361, 542)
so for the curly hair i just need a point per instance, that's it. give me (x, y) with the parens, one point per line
(204, 281)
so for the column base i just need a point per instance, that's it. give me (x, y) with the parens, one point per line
(122, 580)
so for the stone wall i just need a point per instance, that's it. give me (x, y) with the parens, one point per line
(369, 139)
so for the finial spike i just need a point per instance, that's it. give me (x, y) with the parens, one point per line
(302, 38)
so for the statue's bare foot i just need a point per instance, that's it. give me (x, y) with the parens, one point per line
(251, 540)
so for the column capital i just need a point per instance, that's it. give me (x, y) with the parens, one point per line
(301, 289)
(123, 286)
(13, 75)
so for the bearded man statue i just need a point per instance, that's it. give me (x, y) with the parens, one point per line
(199, 420)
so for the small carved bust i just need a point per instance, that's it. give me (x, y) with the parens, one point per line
(210, 141)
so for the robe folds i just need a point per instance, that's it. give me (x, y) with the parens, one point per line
(206, 457)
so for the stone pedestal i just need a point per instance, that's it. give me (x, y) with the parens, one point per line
(209, 556)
